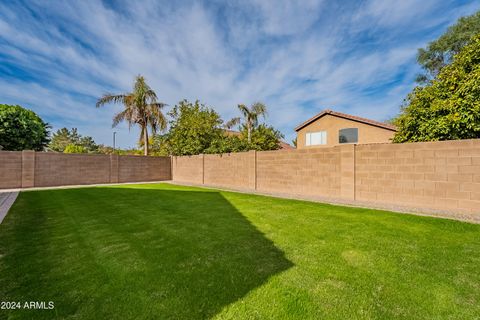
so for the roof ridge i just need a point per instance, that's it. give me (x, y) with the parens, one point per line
(346, 116)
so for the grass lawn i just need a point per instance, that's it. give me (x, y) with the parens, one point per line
(161, 251)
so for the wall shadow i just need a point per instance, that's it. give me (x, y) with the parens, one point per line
(131, 253)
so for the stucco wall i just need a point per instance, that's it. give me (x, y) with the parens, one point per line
(332, 124)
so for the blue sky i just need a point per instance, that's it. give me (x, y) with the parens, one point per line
(298, 57)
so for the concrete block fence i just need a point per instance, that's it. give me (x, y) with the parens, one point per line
(440, 176)
(26, 169)
(428, 176)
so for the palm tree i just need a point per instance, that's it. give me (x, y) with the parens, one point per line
(250, 116)
(141, 108)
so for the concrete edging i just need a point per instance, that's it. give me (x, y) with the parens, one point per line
(74, 186)
(444, 214)
(6, 201)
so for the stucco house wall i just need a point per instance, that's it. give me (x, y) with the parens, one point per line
(367, 133)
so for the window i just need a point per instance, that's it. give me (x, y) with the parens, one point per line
(316, 138)
(349, 135)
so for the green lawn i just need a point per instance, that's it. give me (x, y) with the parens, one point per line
(163, 251)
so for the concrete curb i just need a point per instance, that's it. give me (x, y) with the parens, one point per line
(6, 201)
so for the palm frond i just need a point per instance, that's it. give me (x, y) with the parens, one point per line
(259, 109)
(156, 115)
(140, 84)
(111, 98)
(244, 110)
(232, 122)
(150, 96)
(119, 117)
(158, 105)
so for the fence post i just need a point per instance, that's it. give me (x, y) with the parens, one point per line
(252, 165)
(203, 168)
(114, 165)
(28, 168)
(347, 171)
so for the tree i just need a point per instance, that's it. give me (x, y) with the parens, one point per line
(263, 138)
(140, 108)
(103, 149)
(75, 148)
(440, 52)
(64, 137)
(22, 129)
(89, 144)
(448, 108)
(227, 144)
(193, 128)
(250, 117)
(294, 142)
(159, 146)
(196, 129)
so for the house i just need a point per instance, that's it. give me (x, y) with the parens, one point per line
(330, 128)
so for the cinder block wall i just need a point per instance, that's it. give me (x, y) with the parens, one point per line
(10, 169)
(431, 175)
(140, 168)
(43, 169)
(56, 169)
(441, 175)
(188, 169)
(312, 172)
(234, 170)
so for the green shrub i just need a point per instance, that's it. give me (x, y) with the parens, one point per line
(22, 129)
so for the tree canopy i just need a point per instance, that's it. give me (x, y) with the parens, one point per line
(74, 148)
(440, 52)
(250, 117)
(195, 128)
(263, 137)
(64, 138)
(448, 108)
(22, 129)
(141, 107)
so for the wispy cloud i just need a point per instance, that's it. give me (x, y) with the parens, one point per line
(297, 56)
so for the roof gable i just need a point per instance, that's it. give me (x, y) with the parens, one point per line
(348, 117)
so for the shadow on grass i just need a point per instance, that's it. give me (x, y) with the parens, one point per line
(122, 253)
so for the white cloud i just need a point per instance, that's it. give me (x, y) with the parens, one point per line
(298, 57)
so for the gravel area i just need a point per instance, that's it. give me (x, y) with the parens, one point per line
(446, 214)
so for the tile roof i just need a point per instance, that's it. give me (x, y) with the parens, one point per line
(285, 146)
(349, 117)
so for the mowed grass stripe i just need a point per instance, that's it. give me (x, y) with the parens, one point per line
(164, 251)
